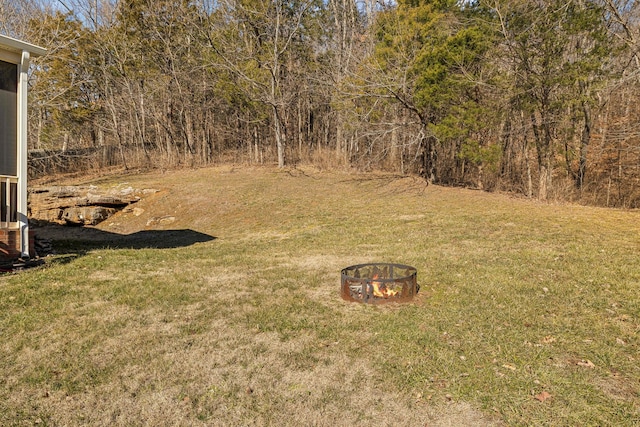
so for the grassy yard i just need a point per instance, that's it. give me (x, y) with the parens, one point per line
(528, 314)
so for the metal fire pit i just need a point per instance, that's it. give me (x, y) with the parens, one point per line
(379, 283)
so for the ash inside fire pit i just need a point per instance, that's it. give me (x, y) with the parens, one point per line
(379, 283)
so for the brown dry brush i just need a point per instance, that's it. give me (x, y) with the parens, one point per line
(611, 180)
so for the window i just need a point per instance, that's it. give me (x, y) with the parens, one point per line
(8, 119)
(8, 213)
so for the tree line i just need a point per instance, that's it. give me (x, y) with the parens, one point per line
(534, 97)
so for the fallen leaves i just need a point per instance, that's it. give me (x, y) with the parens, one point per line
(548, 339)
(542, 397)
(586, 363)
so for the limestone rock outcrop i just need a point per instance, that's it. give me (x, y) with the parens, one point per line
(79, 205)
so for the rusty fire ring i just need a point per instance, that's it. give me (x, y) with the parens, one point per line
(379, 283)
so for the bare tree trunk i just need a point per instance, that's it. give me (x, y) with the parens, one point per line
(300, 127)
(527, 159)
(543, 140)
(280, 141)
(256, 144)
(39, 132)
(584, 143)
(341, 143)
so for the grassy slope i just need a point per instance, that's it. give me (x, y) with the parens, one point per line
(517, 299)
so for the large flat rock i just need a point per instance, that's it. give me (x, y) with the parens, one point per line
(79, 205)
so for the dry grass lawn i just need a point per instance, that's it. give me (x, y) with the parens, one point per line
(216, 303)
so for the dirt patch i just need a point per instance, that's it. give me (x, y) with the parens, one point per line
(459, 414)
(617, 388)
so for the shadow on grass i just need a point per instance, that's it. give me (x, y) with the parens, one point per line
(66, 239)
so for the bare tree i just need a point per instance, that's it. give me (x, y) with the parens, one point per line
(270, 36)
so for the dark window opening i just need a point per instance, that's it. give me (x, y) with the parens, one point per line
(12, 208)
(8, 119)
